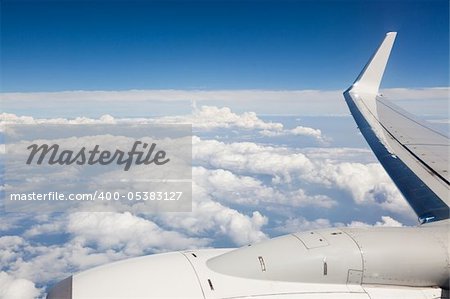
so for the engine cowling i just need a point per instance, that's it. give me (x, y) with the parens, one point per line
(330, 263)
(387, 256)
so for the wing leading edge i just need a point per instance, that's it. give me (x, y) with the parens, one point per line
(414, 155)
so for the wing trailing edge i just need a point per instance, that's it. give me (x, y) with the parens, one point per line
(413, 154)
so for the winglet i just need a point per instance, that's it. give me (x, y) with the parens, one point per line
(370, 78)
(410, 151)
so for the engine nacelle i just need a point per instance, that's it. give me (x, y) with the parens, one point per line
(387, 256)
(334, 263)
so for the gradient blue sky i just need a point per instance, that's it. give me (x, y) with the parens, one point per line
(114, 45)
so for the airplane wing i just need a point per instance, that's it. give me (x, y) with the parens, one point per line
(415, 155)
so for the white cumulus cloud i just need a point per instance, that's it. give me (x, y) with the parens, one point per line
(17, 288)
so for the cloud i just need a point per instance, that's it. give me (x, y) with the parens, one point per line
(421, 94)
(385, 221)
(96, 238)
(9, 246)
(45, 228)
(297, 224)
(237, 186)
(292, 225)
(297, 131)
(300, 102)
(367, 183)
(228, 187)
(212, 218)
(127, 233)
(42, 264)
(336, 155)
(90, 239)
(204, 118)
(10, 222)
(10, 118)
(210, 95)
(248, 157)
(211, 117)
(17, 288)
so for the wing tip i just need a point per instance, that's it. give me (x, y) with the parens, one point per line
(369, 79)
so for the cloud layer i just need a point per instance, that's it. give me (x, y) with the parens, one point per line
(133, 102)
(244, 191)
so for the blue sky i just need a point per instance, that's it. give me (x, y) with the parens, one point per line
(114, 45)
